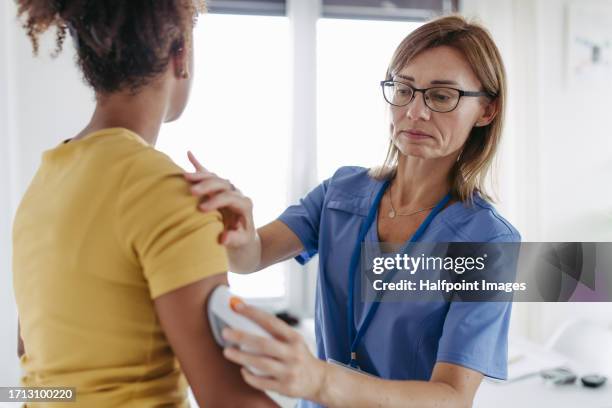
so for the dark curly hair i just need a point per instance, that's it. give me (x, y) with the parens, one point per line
(121, 44)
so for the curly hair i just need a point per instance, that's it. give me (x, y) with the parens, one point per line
(121, 44)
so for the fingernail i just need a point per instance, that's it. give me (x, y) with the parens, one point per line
(236, 303)
(225, 333)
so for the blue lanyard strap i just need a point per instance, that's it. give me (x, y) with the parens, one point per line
(354, 335)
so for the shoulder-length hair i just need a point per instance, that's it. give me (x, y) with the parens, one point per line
(469, 174)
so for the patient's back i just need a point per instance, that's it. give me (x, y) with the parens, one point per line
(106, 226)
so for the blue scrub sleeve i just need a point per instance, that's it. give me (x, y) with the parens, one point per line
(475, 334)
(304, 220)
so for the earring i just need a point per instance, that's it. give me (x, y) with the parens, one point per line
(183, 73)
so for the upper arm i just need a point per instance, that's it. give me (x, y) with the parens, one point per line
(278, 243)
(214, 380)
(464, 381)
(177, 248)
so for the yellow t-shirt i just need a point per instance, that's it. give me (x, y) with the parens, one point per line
(106, 226)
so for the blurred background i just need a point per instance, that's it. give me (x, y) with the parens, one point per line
(309, 102)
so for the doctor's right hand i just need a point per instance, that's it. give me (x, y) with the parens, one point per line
(219, 194)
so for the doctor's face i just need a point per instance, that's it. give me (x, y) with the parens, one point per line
(416, 129)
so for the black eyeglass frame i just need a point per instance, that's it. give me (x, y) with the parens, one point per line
(462, 93)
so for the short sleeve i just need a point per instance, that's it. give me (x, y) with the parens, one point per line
(160, 225)
(304, 220)
(475, 334)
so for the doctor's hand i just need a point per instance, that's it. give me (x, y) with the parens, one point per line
(284, 363)
(216, 193)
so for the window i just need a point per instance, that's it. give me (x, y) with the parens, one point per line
(405, 10)
(255, 7)
(250, 59)
(353, 122)
(237, 120)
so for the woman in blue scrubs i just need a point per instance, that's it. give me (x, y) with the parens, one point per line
(446, 90)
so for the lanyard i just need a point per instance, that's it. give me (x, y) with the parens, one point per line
(355, 337)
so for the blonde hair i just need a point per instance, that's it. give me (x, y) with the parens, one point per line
(469, 174)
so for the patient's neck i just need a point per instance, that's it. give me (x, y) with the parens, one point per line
(142, 113)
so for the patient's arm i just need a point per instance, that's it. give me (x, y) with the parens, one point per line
(214, 380)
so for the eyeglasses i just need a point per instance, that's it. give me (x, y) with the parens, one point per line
(438, 99)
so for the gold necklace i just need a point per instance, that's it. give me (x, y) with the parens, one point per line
(392, 213)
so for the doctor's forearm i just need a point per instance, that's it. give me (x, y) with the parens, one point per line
(271, 244)
(345, 388)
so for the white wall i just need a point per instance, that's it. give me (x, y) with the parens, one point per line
(8, 337)
(556, 174)
(37, 111)
(51, 101)
(576, 122)
(576, 161)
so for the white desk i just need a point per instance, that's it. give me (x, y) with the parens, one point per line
(531, 392)
(534, 392)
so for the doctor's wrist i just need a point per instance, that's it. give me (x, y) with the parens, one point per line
(246, 257)
(322, 375)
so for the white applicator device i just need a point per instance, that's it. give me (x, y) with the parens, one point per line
(221, 314)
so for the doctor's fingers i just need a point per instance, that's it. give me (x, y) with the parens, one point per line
(233, 200)
(232, 220)
(270, 323)
(259, 382)
(258, 344)
(199, 176)
(234, 237)
(195, 162)
(212, 185)
(267, 366)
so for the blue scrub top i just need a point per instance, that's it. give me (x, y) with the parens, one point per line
(404, 339)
